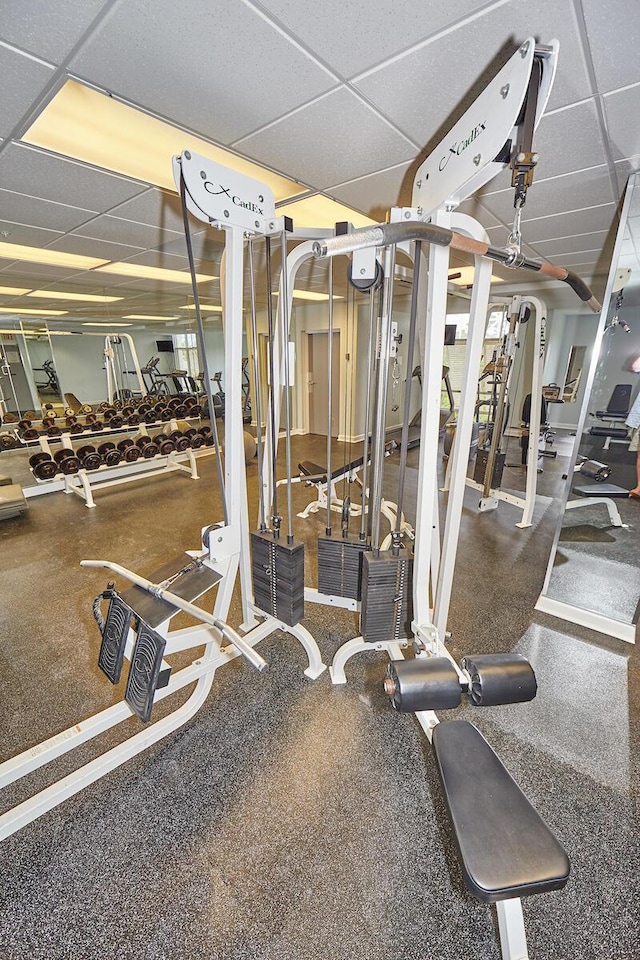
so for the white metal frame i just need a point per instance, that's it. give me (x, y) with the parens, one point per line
(111, 343)
(226, 551)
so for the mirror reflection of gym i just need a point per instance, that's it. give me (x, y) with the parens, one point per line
(594, 571)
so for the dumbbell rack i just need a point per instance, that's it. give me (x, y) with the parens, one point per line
(84, 482)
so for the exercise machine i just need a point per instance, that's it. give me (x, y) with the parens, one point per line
(120, 355)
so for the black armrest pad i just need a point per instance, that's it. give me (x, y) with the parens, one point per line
(505, 847)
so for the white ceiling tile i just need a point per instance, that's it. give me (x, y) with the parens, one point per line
(216, 68)
(571, 245)
(32, 272)
(375, 194)
(621, 110)
(160, 258)
(583, 257)
(124, 231)
(317, 143)
(70, 243)
(570, 224)
(569, 140)
(613, 29)
(368, 33)
(31, 236)
(419, 91)
(207, 245)
(41, 174)
(23, 80)
(574, 191)
(41, 213)
(156, 207)
(48, 30)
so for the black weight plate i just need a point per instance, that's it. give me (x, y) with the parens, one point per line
(108, 412)
(62, 454)
(166, 447)
(209, 440)
(70, 465)
(116, 422)
(150, 416)
(127, 442)
(181, 411)
(105, 447)
(75, 429)
(205, 431)
(97, 426)
(45, 470)
(131, 454)
(39, 458)
(190, 402)
(92, 461)
(133, 419)
(92, 417)
(127, 411)
(191, 432)
(86, 450)
(197, 441)
(33, 434)
(143, 441)
(24, 424)
(173, 404)
(112, 457)
(71, 419)
(150, 450)
(182, 443)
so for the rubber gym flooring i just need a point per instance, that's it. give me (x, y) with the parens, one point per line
(293, 820)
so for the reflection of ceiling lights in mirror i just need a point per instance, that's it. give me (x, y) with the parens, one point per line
(310, 295)
(105, 323)
(85, 124)
(19, 311)
(61, 295)
(152, 273)
(463, 277)
(14, 291)
(145, 316)
(212, 308)
(53, 258)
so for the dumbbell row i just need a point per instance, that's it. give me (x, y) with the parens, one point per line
(68, 461)
(55, 426)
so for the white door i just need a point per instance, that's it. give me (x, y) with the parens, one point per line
(318, 382)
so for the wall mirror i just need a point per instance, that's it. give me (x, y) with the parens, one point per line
(40, 364)
(593, 577)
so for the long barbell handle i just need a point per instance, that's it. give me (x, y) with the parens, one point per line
(386, 234)
(228, 632)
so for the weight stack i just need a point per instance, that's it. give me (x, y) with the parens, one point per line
(387, 596)
(340, 567)
(481, 466)
(278, 577)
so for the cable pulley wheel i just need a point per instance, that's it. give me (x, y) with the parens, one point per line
(369, 284)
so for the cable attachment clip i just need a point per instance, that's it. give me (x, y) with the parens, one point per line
(514, 240)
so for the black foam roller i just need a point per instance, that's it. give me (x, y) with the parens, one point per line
(500, 678)
(595, 470)
(425, 683)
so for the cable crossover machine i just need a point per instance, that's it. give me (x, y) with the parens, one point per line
(400, 588)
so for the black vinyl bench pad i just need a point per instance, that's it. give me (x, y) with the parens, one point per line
(505, 847)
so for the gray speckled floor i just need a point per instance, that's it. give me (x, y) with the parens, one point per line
(291, 820)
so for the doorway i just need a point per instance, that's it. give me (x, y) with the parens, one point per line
(318, 383)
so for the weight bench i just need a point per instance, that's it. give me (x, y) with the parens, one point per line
(314, 474)
(506, 849)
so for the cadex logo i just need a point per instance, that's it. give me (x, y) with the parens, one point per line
(459, 146)
(216, 189)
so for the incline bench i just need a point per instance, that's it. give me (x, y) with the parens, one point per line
(506, 849)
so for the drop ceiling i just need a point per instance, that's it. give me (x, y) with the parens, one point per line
(343, 96)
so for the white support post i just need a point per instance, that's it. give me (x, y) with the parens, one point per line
(234, 465)
(459, 454)
(536, 407)
(431, 359)
(513, 939)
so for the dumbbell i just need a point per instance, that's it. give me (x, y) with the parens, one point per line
(75, 428)
(134, 419)
(108, 413)
(195, 439)
(31, 415)
(86, 408)
(70, 418)
(44, 468)
(116, 422)
(165, 444)
(32, 434)
(89, 457)
(127, 410)
(129, 450)
(8, 442)
(181, 411)
(143, 409)
(67, 461)
(10, 418)
(24, 424)
(181, 442)
(110, 454)
(190, 402)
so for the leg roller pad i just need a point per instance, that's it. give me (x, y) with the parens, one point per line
(500, 678)
(426, 683)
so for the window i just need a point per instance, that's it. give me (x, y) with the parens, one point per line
(186, 352)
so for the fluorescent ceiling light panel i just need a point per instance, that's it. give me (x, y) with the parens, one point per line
(90, 126)
(203, 307)
(310, 295)
(20, 311)
(60, 295)
(153, 273)
(463, 276)
(105, 323)
(53, 258)
(321, 211)
(14, 291)
(144, 316)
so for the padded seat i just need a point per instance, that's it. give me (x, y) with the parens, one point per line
(600, 490)
(505, 847)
